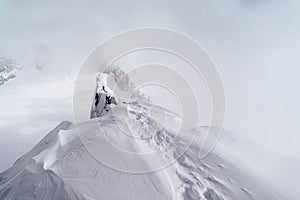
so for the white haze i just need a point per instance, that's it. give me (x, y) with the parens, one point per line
(255, 45)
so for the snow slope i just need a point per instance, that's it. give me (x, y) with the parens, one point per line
(61, 167)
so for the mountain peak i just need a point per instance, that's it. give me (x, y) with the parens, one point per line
(62, 166)
(113, 87)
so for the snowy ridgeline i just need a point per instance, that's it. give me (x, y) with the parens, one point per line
(8, 69)
(60, 166)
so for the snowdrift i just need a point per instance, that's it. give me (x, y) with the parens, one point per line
(61, 167)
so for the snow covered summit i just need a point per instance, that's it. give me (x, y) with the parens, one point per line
(113, 78)
(61, 167)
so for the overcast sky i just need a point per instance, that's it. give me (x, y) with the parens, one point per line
(254, 43)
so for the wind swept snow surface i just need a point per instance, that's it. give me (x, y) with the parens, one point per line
(61, 167)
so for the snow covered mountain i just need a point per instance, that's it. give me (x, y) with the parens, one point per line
(8, 69)
(61, 167)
